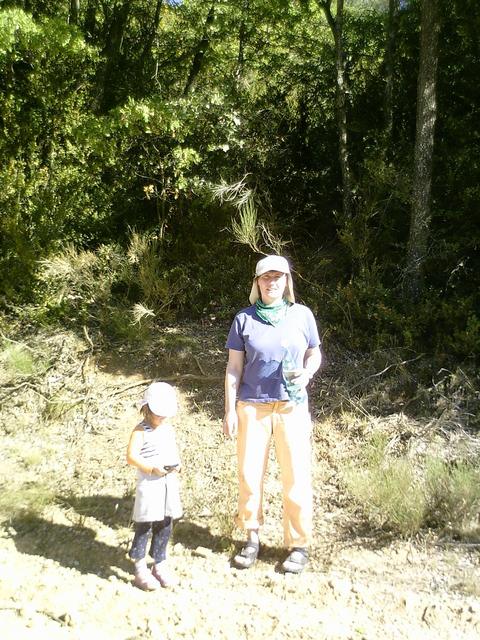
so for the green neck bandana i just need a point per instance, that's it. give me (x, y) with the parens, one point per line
(272, 313)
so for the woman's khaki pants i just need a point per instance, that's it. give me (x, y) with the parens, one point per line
(290, 426)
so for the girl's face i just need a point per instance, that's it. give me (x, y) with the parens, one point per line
(272, 286)
(152, 418)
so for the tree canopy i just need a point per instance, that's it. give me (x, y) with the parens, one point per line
(219, 129)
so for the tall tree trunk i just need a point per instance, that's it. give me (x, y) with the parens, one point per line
(74, 11)
(200, 51)
(147, 49)
(424, 146)
(90, 22)
(341, 90)
(241, 42)
(336, 26)
(113, 52)
(392, 20)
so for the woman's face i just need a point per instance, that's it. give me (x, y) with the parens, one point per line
(272, 285)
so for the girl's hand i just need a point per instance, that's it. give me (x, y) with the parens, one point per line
(230, 424)
(158, 472)
(173, 467)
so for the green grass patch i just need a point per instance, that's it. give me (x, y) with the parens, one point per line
(453, 490)
(391, 495)
(24, 501)
(406, 494)
(17, 360)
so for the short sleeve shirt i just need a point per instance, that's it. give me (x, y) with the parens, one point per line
(266, 347)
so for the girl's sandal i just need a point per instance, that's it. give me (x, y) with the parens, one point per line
(145, 581)
(296, 561)
(247, 556)
(165, 576)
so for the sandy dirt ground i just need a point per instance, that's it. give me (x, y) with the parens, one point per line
(64, 569)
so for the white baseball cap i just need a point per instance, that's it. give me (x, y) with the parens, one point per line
(161, 399)
(272, 263)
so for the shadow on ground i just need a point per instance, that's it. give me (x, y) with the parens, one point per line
(72, 546)
(192, 535)
(76, 546)
(113, 511)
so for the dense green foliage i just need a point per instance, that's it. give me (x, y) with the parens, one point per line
(129, 119)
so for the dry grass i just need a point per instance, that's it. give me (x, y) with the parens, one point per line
(407, 473)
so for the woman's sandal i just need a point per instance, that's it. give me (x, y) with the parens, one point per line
(296, 561)
(247, 556)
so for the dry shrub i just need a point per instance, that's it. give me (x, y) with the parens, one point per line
(81, 278)
(121, 289)
(390, 492)
(454, 493)
(404, 487)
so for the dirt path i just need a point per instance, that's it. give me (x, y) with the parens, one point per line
(65, 573)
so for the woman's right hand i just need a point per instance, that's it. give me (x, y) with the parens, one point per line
(230, 424)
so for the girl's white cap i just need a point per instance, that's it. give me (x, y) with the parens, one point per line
(272, 263)
(161, 399)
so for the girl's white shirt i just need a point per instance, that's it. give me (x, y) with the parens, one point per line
(163, 441)
(158, 497)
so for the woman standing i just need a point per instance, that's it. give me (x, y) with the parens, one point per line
(274, 350)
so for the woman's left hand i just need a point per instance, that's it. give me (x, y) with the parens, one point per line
(301, 379)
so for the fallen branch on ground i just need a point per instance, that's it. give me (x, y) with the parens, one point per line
(180, 376)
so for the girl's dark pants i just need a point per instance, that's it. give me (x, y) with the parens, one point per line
(160, 531)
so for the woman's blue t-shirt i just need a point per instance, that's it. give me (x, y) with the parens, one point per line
(266, 347)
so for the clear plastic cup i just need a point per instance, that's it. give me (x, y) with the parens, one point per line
(291, 374)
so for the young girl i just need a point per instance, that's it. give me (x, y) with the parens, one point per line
(153, 450)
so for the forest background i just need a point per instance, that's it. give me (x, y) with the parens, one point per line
(152, 151)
